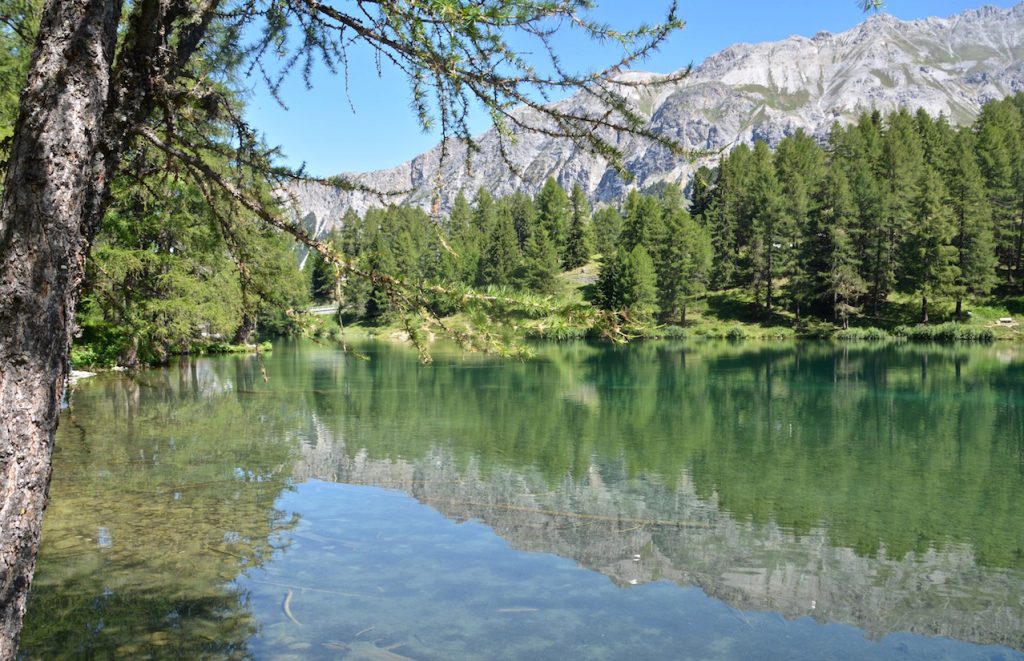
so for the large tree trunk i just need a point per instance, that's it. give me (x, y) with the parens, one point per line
(54, 196)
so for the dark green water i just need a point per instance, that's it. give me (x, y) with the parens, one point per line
(661, 501)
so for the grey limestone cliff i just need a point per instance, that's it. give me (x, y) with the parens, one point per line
(742, 94)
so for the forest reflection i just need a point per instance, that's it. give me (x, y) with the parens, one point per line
(870, 485)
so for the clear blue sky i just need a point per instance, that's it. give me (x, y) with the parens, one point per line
(322, 129)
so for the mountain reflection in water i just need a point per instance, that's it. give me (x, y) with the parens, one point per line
(864, 486)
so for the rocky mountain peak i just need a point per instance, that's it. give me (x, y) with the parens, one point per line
(744, 93)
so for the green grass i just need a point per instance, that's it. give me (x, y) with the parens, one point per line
(724, 315)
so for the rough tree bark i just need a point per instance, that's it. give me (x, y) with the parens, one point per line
(55, 191)
(77, 112)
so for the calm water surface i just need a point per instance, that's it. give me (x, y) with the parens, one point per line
(705, 501)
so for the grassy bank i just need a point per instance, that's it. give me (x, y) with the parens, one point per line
(731, 314)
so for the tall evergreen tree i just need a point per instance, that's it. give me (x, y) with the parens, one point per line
(800, 164)
(1000, 150)
(641, 223)
(378, 259)
(836, 260)
(729, 217)
(465, 239)
(627, 283)
(771, 226)
(902, 174)
(682, 264)
(500, 257)
(578, 240)
(974, 240)
(702, 192)
(524, 216)
(930, 258)
(553, 213)
(539, 266)
(856, 150)
(323, 278)
(607, 227)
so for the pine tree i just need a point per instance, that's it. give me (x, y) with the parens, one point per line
(322, 276)
(729, 217)
(607, 228)
(902, 174)
(641, 221)
(578, 242)
(465, 240)
(378, 259)
(702, 194)
(770, 227)
(539, 265)
(682, 264)
(929, 254)
(836, 262)
(500, 257)
(627, 283)
(937, 139)
(857, 151)
(641, 283)
(524, 216)
(1000, 130)
(974, 241)
(553, 213)
(800, 164)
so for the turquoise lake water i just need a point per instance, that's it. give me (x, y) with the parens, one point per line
(658, 501)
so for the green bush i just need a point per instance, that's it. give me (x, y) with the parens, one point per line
(736, 333)
(948, 332)
(863, 335)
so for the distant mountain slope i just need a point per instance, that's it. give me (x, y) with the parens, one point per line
(744, 93)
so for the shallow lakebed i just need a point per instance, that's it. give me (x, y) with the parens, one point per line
(661, 500)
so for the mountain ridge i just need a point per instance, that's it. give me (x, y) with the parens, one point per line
(743, 93)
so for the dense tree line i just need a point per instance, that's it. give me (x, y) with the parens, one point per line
(904, 203)
(655, 255)
(515, 242)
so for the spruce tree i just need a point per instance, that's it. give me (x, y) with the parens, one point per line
(524, 216)
(539, 266)
(902, 169)
(465, 240)
(500, 255)
(974, 240)
(1000, 149)
(627, 283)
(322, 276)
(578, 245)
(553, 213)
(379, 260)
(641, 283)
(930, 257)
(702, 192)
(607, 228)
(856, 150)
(641, 222)
(682, 264)
(729, 218)
(836, 262)
(800, 164)
(770, 227)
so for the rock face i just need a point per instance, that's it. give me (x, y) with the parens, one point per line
(744, 93)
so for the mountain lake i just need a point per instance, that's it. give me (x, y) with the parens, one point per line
(662, 500)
